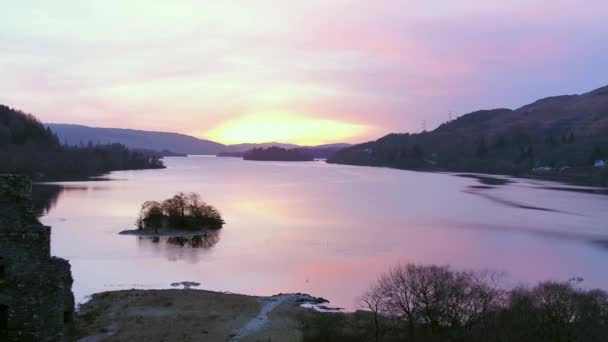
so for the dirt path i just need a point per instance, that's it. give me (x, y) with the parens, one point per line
(111, 328)
(261, 319)
(164, 315)
(189, 315)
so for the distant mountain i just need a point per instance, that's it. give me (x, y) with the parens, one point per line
(76, 135)
(159, 143)
(559, 137)
(336, 146)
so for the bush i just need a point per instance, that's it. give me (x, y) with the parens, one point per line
(179, 212)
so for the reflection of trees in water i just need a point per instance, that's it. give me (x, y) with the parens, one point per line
(196, 241)
(181, 247)
(46, 196)
(199, 241)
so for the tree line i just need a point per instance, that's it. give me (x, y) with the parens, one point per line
(513, 152)
(435, 303)
(275, 153)
(28, 147)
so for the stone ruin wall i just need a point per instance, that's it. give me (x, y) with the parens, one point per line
(36, 300)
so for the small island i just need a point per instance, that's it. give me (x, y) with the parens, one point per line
(180, 215)
(277, 154)
(236, 154)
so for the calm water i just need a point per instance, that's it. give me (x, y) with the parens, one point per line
(327, 230)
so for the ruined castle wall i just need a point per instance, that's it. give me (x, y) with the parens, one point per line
(35, 288)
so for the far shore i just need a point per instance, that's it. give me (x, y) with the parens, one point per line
(164, 233)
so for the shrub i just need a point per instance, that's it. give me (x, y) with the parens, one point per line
(182, 211)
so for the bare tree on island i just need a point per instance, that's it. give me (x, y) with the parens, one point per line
(182, 211)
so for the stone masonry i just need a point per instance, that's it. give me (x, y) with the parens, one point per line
(36, 300)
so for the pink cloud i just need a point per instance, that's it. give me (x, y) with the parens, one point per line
(387, 65)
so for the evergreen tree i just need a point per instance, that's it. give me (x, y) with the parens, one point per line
(418, 152)
(596, 154)
(482, 148)
(571, 138)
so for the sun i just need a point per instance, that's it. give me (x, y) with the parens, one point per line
(286, 128)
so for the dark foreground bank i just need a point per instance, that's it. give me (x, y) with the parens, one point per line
(408, 303)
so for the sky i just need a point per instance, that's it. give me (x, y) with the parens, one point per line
(306, 72)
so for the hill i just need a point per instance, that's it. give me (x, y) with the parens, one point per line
(28, 147)
(76, 135)
(166, 143)
(557, 137)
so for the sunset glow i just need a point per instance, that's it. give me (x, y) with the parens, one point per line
(265, 127)
(304, 170)
(217, 69)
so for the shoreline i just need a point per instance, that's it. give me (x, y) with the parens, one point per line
(576, 180)
(175, 233)
(564, 180)
(549, 176)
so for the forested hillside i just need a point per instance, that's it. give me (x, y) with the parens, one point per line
(558, 137)
(28, 147)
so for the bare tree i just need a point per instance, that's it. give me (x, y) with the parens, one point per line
(401, 300)
(151, 216)
(375, 301)
(432, 298)
(180, 212)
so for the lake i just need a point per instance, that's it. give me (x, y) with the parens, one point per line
(327, 230)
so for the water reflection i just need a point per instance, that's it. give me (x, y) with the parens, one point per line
(326, 229)
(174, 248)
(199, 241)
(45, 196)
